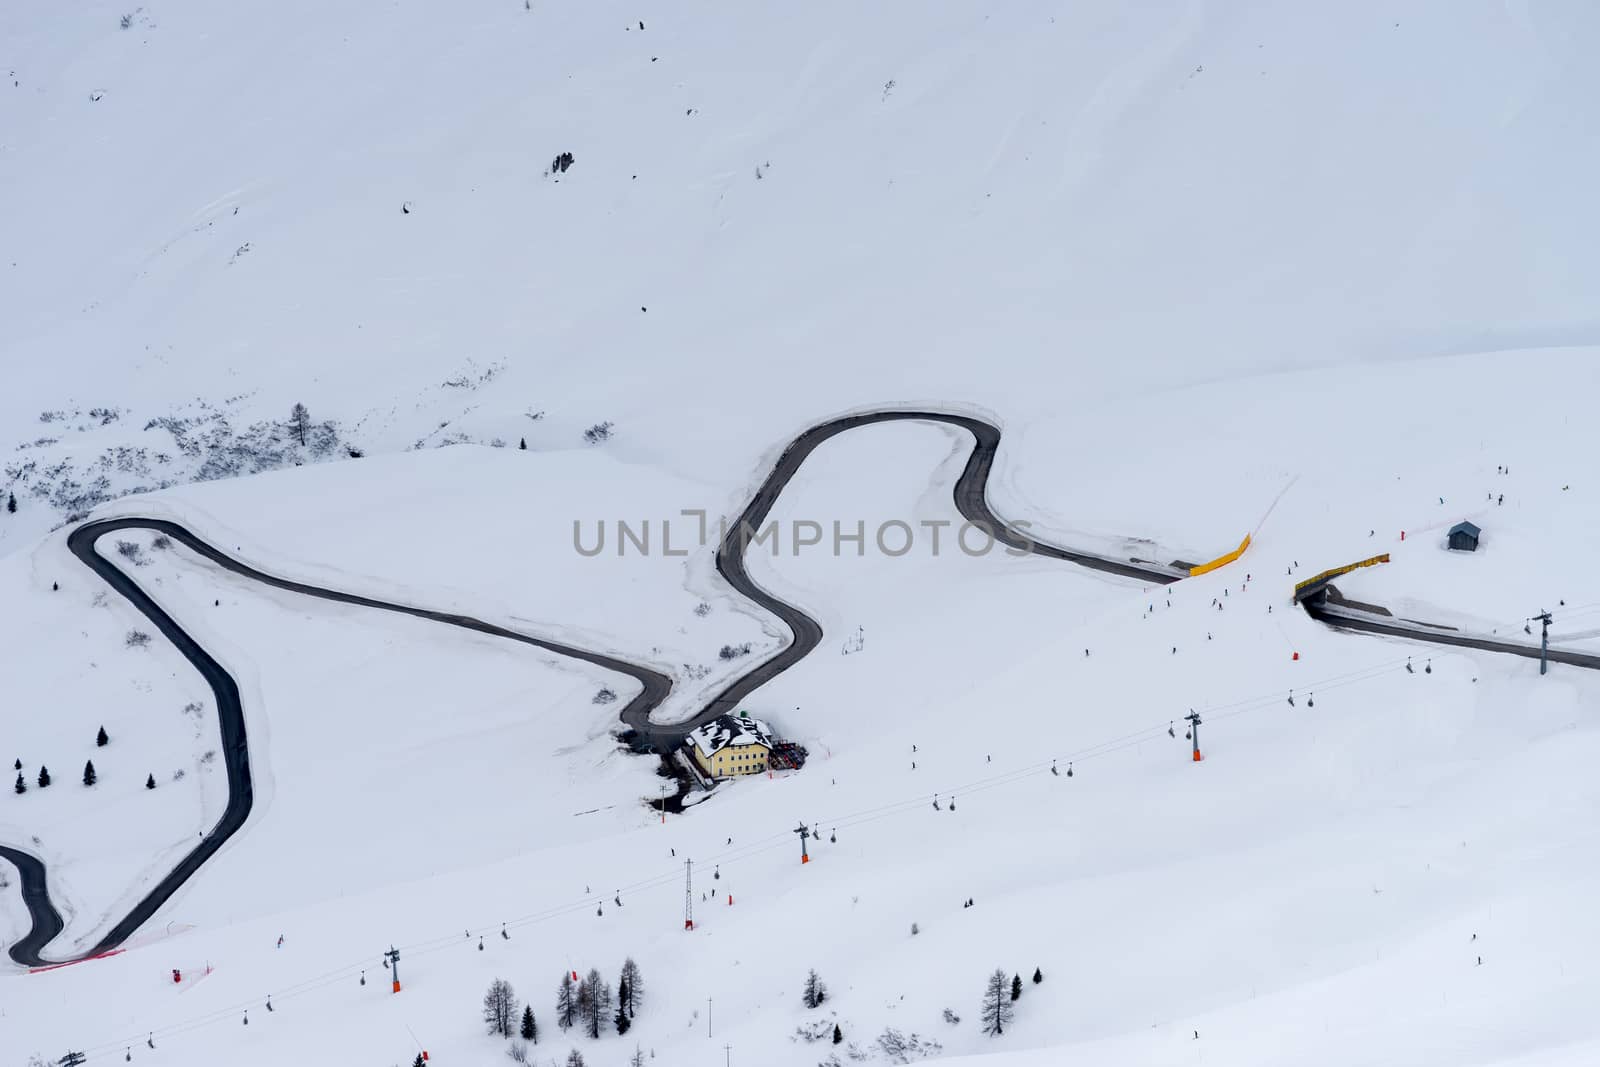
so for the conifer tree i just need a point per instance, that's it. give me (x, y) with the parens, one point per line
(44, 776)
(815, 992)
(499, 1007)
(594, 1003)
(11, 503)
(22, 787)
(621, 1021)
(838, 1034)
(566, 1002)
(1016, 987)
(630, 989)
(530, 1029)
(299, 422)
(88, 772)
(1038, 976)
(150, 782)
(101, 738)
(996, 1005)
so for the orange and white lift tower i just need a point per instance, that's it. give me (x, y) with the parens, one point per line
(804, 831)
(1194, 733)
(391, 959)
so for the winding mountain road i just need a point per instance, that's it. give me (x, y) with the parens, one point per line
(971, 500)
(1333, 610)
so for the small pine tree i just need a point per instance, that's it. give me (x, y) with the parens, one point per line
(44, 777)
(22, 787)
(637, 1059)
(522, 446)
(101, 738)
(838, 1034)
(1038, 976)
(17, 766)
(11, 503)
(88, 772)
(622, 1021)
(574, 1058)
(1016, 987)
(815, 992)
(530, 1029)
(419, 1061)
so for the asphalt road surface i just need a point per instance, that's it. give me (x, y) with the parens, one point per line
(1377, 624)
(971, 500)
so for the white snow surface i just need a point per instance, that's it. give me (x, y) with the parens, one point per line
(1312, 275)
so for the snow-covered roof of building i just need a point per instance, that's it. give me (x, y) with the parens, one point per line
(726, 730)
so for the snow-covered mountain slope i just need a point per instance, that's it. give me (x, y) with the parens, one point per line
(1326, 861)
(212, 216)
(1315, 276)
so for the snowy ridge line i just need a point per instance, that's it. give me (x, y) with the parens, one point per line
(730, 857)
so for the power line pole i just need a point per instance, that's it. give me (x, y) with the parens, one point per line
(708, 1017)
(804, 831)
(1544, 639)
(688, 894)
(391, 960)
(1194, 732)
(727, 1055)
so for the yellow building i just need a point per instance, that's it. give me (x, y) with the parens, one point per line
(729, 746)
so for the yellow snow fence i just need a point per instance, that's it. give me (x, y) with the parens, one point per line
(1301, 588)
(1221, 561)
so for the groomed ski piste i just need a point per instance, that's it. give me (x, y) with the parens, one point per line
(1070, 226)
